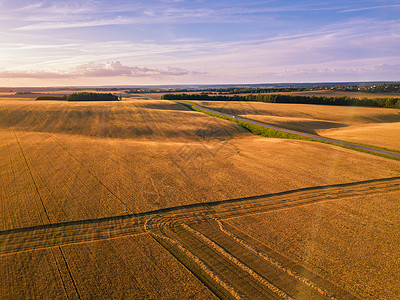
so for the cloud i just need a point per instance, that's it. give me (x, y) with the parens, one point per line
(278, 36)
(371, 69)
(74, 14)
(350, 73)
(78, 24)
(106, 69)
(370, 8)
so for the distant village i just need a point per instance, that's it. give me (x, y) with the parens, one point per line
(381, 88)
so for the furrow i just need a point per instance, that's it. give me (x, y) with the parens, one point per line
(237, 262)
(274, 262)
(203, 266)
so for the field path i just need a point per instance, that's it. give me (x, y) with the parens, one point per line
(316, 137)
(57, 234)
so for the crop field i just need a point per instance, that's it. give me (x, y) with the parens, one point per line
(373, 126)
(126, 267)
(147, 199)
(382, 135)
(352, 241)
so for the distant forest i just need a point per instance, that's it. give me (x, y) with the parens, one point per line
(83, 96)
(277, 98)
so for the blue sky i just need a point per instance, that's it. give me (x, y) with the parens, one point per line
(98, 42)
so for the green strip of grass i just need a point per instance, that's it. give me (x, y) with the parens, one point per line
(257, 129)
(355, 143)
(273, 133)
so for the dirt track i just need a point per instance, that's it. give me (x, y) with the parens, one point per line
(51, 235)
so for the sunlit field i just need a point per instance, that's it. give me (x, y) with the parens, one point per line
(126, 193)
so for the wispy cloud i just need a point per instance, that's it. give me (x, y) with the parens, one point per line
(106, 69)
(229, 40)
(370, 8)
(72, 14)
(77, 24)
(340, 73)
(363, 70)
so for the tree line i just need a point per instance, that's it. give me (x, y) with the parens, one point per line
(88, 96)
(83, 96)
(298, 99)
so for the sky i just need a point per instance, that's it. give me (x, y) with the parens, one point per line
(149, 42)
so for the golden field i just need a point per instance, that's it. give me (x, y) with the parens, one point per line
(112, 269)
(352, 241)
(382, 135)
(373, 126)
(69, 168)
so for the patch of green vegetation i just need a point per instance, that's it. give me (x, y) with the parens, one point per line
(257, 129)
(85, 96)
(52, 97)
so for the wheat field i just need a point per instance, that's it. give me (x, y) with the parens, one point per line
(382, 135)
(352, 241)
(80, 181)
(373, 126)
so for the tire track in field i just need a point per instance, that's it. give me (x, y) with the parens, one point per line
(51, 235)
(60, 274)
(225, 268)
(32, 178)
(229, 272)
(269, 259)
(237, 262)
(69, 272)
(200, 263)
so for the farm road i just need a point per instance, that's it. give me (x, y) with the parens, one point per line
(316, 137)
(52, 235)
